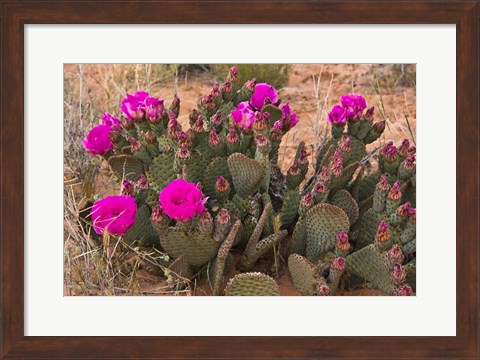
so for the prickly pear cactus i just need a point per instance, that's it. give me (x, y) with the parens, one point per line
(323, 223)
(252, 284)
(211, 195)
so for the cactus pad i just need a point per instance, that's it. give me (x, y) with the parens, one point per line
(217, 167)
(142, 231)
(199, 248)
(299, 238)
(252, 284)
(289, 209)
(347, 203)
(371, 265)
(339, 182)
(323, 222)
(367, 227)
(162, 171)
(247, 173)
(305, 275)
(196, 168)
(179, 272)
(126, 166)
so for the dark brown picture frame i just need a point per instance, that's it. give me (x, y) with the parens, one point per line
(15, 14)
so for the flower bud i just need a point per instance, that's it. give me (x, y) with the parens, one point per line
(398, 274)
(412, 150)
(403, 210)
(175, 106)
(192, 117)
(413, 216)
(383, 184)
(369, 114)
(127, 188)
(337, 167)
(216, 90)
(150, 137)
(276, 131)
(345, 143)
(232, 136)
(395, 255)
(383, 232)
(142, 182)
(129, 125)
(404, 290)
(227, 87)
(409, 163)
(307, 200)
(263, 144)
(223, 216)
(217, 118)
(379, 127)
(158, 214)
(173, 127)
(198, 126)
(204, 217)
(294, 169)
(389, 151)
(250, 84)
(303, 158)
(342, 241)
(339, 263)
(323, 290)
(319, 187)
(395, 194)
(135, 145)
(222, 185)
(233, 74)
(213, 138)
(183, 152)
(324, 174)
(260, 123)
(403, 148)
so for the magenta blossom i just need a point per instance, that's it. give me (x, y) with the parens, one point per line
(182, 200)
(114, 214)
(263, 92)
(243, 116)
(109, 120)
(154, 108)
(97, 141)
(289, 118)
(354, 105)
(133, 106)
(337, 116)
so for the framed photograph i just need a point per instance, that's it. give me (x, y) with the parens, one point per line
(265, 154)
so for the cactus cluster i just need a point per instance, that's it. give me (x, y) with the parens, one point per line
(212, 197)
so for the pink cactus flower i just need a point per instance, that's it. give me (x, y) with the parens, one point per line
(354, 105)
(97, 141)
(133, 106)
(243, 116)
(154, 109)
(182, 200)
(337, 116)
(289, 118)
(109, 120)
(114, 214)
(263, 93)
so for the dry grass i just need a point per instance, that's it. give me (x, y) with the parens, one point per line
(102, 266)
